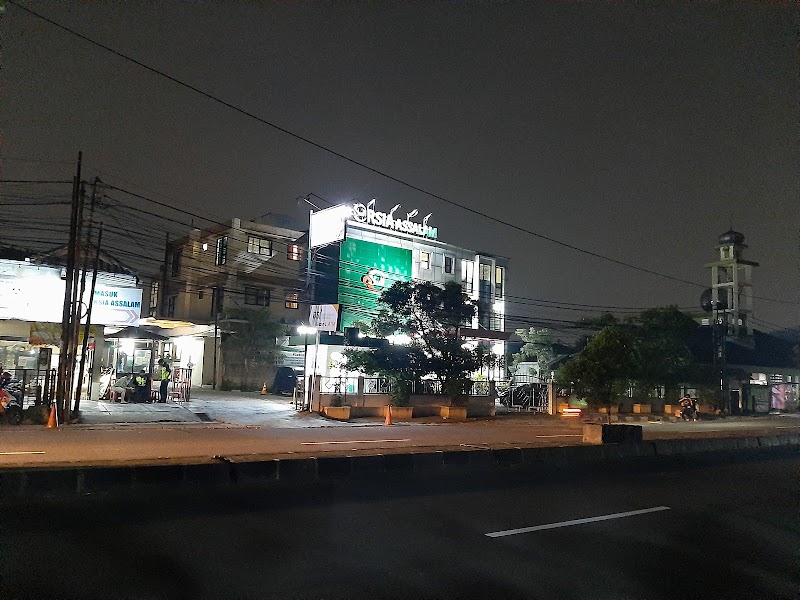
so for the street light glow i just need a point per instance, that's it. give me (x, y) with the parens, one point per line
(306, 330)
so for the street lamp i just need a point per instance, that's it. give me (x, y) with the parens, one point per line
(305, 331)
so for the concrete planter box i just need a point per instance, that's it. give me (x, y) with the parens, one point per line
(340, 413)
(670, 409)
(613, 433)
(400, 413)
(642, 409)
(614, 410)
(453, 413)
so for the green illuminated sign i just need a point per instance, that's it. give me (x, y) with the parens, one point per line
(365, 270)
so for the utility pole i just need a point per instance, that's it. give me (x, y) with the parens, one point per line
(88, 324)
(62, 385)
(81, 295)
(162, 299)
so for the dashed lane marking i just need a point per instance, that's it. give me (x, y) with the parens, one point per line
(621, 515)
(561, 435)
(22, 452)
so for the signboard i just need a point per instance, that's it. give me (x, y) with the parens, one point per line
(327, 226)
(324, 316)
(365, 270)
(366, 213)
(36, 293)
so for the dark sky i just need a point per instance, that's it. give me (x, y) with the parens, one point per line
(637, 131)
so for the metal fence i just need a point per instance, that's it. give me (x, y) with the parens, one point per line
(520, 393)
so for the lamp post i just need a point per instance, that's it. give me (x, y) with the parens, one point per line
(305, 331)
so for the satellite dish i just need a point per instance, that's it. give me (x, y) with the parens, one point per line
(707, 304)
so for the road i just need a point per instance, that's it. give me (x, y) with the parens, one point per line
(699, 529)
(160, 443)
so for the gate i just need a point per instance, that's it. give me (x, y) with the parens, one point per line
(523, 393)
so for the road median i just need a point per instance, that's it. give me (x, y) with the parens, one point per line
(246, 471)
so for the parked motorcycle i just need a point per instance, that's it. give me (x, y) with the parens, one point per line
(10, 408)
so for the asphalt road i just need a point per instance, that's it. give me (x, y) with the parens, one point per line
(699, 528)
(162, 443)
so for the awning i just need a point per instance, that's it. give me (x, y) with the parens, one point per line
(136, 333)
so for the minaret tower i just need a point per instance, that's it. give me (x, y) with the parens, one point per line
(731, 287)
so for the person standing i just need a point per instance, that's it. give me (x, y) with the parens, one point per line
(163, 376)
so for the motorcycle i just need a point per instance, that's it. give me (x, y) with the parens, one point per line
(10, 408)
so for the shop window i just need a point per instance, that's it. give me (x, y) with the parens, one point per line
(425, 260)
(176, 263)
(256, 296)
(292, 301)
(221, 256)
(449, 265)
(256, 245)
(293, 252)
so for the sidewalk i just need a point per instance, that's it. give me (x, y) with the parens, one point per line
(209, 406)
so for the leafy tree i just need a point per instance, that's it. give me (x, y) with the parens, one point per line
(660, 352)
(248, 345)
(601, 371)
(430, 316)
(538, 346)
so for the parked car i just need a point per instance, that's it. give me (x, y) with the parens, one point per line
(285, 381)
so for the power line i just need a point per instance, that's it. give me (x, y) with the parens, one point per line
(344, 157)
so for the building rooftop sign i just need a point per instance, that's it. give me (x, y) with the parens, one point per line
(367, 214)
(327, 225)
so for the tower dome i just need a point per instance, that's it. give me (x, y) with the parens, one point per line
(731, 237)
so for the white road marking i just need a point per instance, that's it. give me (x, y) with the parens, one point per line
(562, 435)
(354, 442)
(22, 452)
(630, 513)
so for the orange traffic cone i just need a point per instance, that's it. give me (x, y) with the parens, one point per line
(51, 422)
(264, 389)
(388, 420)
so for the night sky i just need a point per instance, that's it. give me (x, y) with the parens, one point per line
(637, 131)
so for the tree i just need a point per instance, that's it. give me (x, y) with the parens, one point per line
(538, 346)
(660, 350)
(429, 315)
(248, 346)
(601, 371)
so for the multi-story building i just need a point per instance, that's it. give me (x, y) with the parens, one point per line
(246, 264)
(356, 252)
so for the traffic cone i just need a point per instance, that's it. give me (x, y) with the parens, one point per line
(388, 420)
(264, 389)
(51, 422)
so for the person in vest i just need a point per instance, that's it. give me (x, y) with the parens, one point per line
(163, 376)
(141, 386)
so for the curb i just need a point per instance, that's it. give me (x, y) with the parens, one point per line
(66, 482)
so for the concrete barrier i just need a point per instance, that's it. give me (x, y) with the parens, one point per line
(47, 482)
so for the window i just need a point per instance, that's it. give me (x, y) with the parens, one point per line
(200, 295)
(153, 298)
(221, 257)
(217, 301)
(256, 245)
(292, 301)
(176, 263)
(449, 264)
(498, 282)
(256, 296)
(293, 252)
(424, 260)
(171, 302)
(467, 274)
(486, 272)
